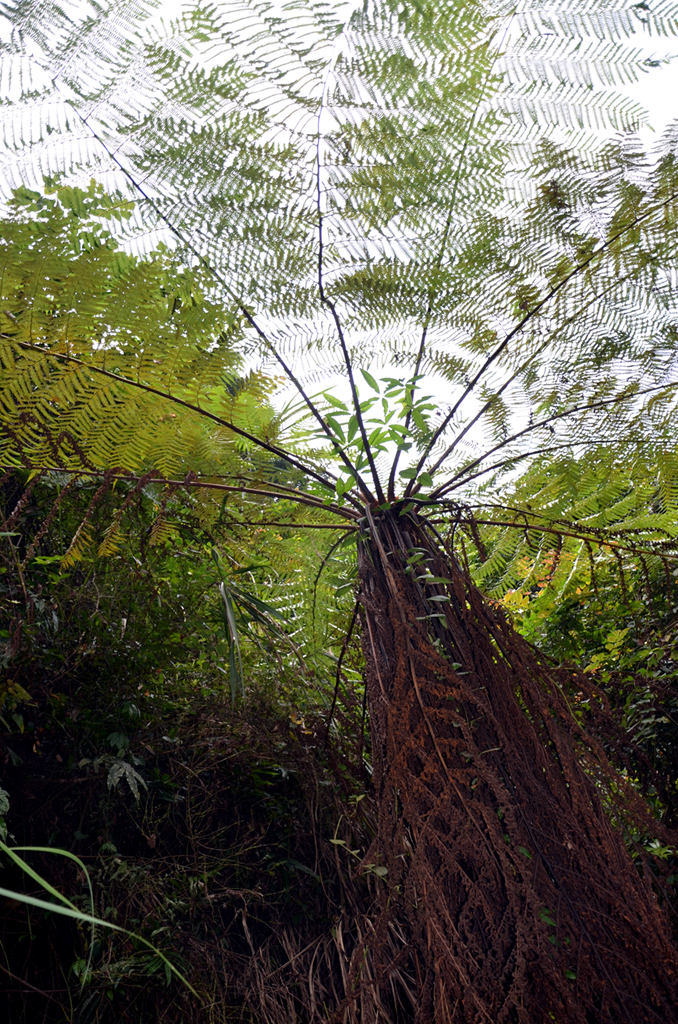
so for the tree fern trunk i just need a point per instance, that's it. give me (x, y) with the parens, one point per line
(509, 894)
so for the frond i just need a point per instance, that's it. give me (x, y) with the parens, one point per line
(567, 515)
(444, 195)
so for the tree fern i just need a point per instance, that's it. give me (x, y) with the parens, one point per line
(443, 207)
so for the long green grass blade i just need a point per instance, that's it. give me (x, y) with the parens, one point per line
(68, 909)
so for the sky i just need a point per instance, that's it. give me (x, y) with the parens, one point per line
(658, 92)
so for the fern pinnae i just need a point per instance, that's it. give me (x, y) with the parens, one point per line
(46, 523)
(392, 158)
(496, 393)
(193, 482)
(545, 423)
(281, 491)
(292, 525)
(510, 461)
(331, 306)
(246, 313)
(610, 543)
(529, 316)
(325, 561)
(461, 159)
(280, 453)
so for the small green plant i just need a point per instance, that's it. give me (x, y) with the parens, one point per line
(60, 904)
(242, 610)
(392, 418)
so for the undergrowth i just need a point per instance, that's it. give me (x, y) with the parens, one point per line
(226, 841)
(234, 838)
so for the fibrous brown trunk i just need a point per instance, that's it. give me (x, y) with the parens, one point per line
(509, 894)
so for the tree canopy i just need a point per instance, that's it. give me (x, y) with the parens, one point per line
(431, 196)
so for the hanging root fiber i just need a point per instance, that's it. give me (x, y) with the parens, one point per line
(508, 893)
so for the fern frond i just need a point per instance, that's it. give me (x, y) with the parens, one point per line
(433, 192)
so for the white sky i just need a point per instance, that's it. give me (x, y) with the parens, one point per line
(658, 92)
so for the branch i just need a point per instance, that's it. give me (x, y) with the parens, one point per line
(340, 659)
(198, 483)
(585, 536)
(441, 252)
(296, 526)
(527, 513)
(329, 304)
(511, 459)
(523, 366)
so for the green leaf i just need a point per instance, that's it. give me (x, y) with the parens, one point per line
(344, 484)
(336, 427)
(370, 380)
(67, 909)
(336, 402)
(419, 420)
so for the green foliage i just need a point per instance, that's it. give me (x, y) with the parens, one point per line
(114, 669)
(615, 617)
(386, 413)
(433, 197)
(577, 517)
(69, 289)
(60, 904)
(240, 604)
(230, 844)
(147, 616)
